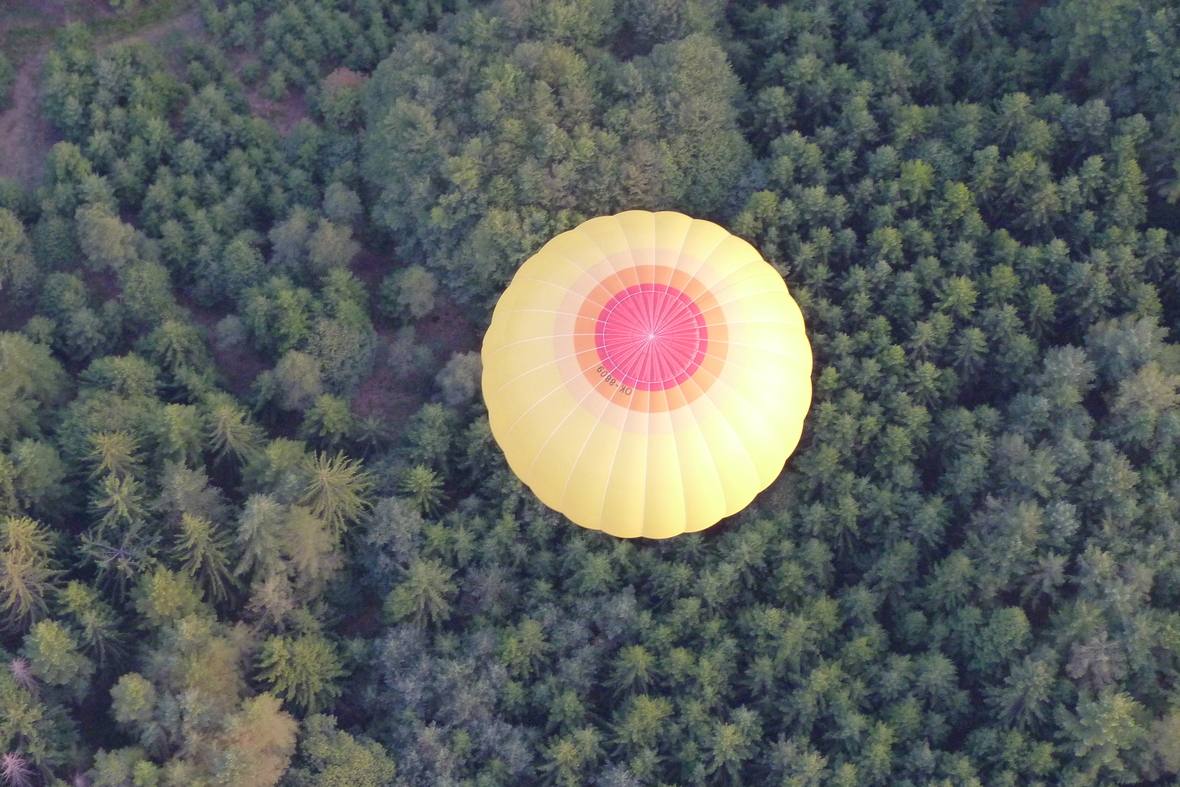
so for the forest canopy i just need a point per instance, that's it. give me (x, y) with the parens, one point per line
(254, 528)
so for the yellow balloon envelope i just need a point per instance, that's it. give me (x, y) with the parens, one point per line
(647, 374)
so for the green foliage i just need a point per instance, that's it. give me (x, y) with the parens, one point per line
(430, 435)
(114, 454)
(305, 38)
(55, 659)
(1166, 734)
(166, 597)
(123, 766)
(459, 379)
(7, 77)
(299, 380)
(1103, 732)
(424, 595)
(330, 246)
(147, 294)
(567, 759)
(552, 138)
(408, 294)
(183, 433)
(342, 205)
(309, 551)
(26, 571)
(31, 723)
(336, 489)
(423, 487)
(118, 503)
(178, 348)
(32, 382)
(105, 240)
(79, 331)
(258, 533)
(967, 573)
(94, 620)
(329, 421)
(302, 670)
(344, 346)
(229, 430)
(289, 239)
(18, 269)
(242, 739)
(38, 477)
(333, 758)
(133, 700)
(202, 552)
(278, 315)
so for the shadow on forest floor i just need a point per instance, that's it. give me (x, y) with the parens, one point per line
(403, 372)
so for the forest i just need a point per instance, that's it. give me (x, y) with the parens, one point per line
(255, 530)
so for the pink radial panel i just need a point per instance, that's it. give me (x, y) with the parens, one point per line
(651, 336)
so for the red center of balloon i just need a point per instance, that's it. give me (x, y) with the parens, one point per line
(651, 336)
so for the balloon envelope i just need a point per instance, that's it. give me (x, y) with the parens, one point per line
(647, 374)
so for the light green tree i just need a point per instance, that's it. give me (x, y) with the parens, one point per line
(94, 620)
(32, 383)
(299, 377)
(229, 429)
(18, 269)
(164, 597)
(329, 421)
(459, 379)
(202, 551)
(105, 240)
(330, 757)
(424, 595)
(336, 489)
(302, 670)
(408, 294)
(423, 487)
(330, 246)
(27, 571)
(55, 658)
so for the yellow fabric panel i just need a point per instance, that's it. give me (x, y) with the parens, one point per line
(640, 229)
(704, 495)
(704, 237)
(625, 498)
(665, 509)
(577, 247)
(538, 422)
(551, 464)
(582, 498)
(602, 238)
(728, 450)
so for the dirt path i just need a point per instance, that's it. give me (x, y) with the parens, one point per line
(25, 134)
(240, 364)
(187, 24)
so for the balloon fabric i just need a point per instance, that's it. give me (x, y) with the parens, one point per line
(647, 374)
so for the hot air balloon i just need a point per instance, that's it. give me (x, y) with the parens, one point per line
(646, 374)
